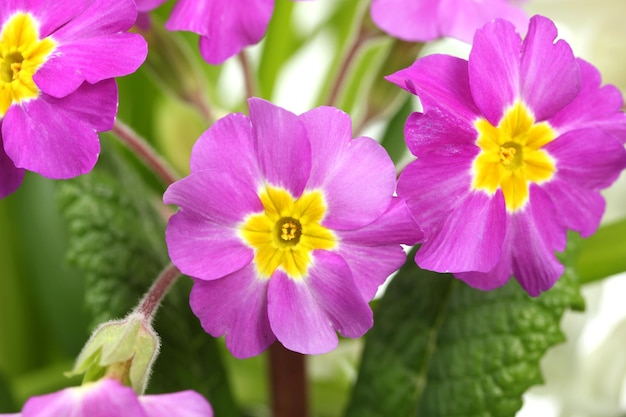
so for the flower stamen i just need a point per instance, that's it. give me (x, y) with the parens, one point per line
(511, 156)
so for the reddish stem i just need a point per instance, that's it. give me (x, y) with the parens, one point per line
(289, 382)
(151, 301)
(145, 152)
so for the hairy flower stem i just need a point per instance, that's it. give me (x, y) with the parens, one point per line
(145, 152)
(151, 301)
(288, 379)
(247, 74)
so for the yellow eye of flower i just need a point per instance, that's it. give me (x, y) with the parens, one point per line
(22, 53)
(511, 157)
(284, 235)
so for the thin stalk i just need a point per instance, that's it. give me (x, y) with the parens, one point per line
(288, 379)
(145, 152)
(361, 38)
(151, 301)
(248, 78)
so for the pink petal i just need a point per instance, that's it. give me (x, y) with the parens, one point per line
(235, 306)
(227, 144)
(225, 27)
(104, 398)
(595, 106)
(469, 239)
(10, 176)
(536, 236)
(178, 404)
(57, 137)
(304, 314)
(204, 249)
(549, 73)
(494, 68)
(282, 145)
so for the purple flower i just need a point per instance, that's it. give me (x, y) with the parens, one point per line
(57, 63)
(288, 226)
(425, 20)
(512, 150)
(225, 26)
(108, 397)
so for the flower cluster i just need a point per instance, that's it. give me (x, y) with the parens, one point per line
(513, 148)
(57, 64)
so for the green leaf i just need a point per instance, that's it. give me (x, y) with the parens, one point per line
(116, 236)
(440, 348)
(7, 404)
(117, 241)
(604, 253)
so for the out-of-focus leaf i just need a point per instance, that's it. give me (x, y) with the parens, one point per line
(279, 45)
(604, 253)
(117, 241)
(7, 404)
(440, 348)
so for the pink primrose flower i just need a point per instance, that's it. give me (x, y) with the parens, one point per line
(425, 20)
(287, 226)
(57, 63)
(513, 148)
(107, 397)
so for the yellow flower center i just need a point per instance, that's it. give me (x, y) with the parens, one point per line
(511, 157)
(284, 235)
(21, 55)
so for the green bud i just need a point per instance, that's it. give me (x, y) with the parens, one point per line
(121, 349)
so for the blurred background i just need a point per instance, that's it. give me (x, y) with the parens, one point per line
(44, 320)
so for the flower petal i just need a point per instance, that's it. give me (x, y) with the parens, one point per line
(408, 20)
(373, 252)
(179, 404)
(57, 137)
(440, 82)
(595, 106)
(282, 144)
(225, 27)
(536, 236)
(229, 143)
(92, 60)
(578, 208)
(50, 14)
(217, 196)
(235, 306)
(203, 249)
(394, 227)
(494, 68)
(470, 238)
(10, 176)
(434, 186)
(365, 167)
(104, 398)
(590, 157)
(549, 73)
(461, 18)
(304, 314)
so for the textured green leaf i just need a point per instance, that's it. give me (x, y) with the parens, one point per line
(117, 241)
(442, 349)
